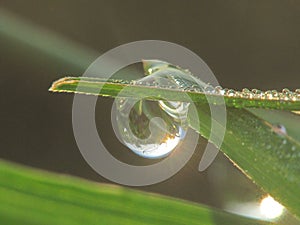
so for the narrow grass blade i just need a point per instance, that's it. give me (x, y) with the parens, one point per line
(251, 141)
(113, 88)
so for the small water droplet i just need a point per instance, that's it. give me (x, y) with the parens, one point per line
(208, 89)
(279, 129)
(285, 91)
(256, 91)
(219, 90)
(246, 93)
(258, 94)
(275, 95)
(229, 92)
(269, 95)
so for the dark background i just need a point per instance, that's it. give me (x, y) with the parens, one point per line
(254, 44)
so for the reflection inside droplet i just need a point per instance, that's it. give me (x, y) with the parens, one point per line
(153, 129)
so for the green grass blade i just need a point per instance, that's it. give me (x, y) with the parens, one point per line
(257, 150)
(113, 88)
(270, 159)
(31, 197)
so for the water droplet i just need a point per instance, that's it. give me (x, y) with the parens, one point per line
(256, 91)
(285, 91)
(219, 90)
(245, 90)
(155, 128)
(279, 129)
(258, 94)
(152, 129)
(246, 93)
(275, 95)
(268, 95)
(229, 92)
(209, 89)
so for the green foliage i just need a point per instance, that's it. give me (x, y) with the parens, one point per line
(30, 197)
(268, 157)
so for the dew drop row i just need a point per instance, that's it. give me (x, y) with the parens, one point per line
(284, 95)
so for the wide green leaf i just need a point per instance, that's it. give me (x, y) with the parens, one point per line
(31, 197)
(269, 158)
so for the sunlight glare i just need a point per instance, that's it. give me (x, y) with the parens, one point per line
(270, 208)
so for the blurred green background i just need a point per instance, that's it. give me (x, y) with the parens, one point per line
(254, 44)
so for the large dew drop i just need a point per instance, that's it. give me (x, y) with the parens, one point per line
(153, 129)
